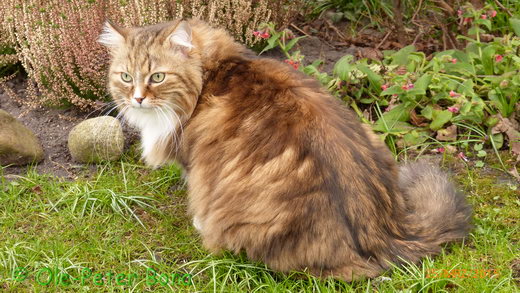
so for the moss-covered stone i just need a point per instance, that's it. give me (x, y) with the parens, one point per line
(18, 144)
(97, 139)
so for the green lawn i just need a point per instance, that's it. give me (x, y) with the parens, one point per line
(113, 227)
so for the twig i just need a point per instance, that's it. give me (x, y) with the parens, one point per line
(504, 8)
(417, 10)
(336, 30)
(417, 38)
(300, 30)
(306, 34)
(445, 6)
(383, 40)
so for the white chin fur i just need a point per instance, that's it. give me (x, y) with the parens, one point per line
(153, 124)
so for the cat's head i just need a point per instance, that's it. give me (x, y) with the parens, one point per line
(155, 74)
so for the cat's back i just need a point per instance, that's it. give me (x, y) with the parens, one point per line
(256, 112)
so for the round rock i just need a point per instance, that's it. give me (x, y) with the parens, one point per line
(18, 144)
(96, 139)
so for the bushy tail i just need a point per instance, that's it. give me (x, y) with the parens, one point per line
(438, 213)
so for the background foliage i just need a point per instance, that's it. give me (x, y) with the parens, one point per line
(55, 40)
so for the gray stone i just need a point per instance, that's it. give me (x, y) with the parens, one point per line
(18, 144)
(96, 139)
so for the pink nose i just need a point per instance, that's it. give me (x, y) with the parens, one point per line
(139, 100)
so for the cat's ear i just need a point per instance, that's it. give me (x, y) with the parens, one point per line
(181, 37)
(112, 35)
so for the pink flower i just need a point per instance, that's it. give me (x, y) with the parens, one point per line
(441, 150)
(467, 20)
(407, 86)
(263, 35)
(294, 64)
(453, 94)
(384, 87)
(459, 12)
(483, 16)
(498, 58)
(453, 109)
(493, 13)
(462, 156)
(454, 60)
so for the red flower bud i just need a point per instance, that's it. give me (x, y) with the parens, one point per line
(453, 94)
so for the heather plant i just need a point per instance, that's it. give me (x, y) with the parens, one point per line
(56, 41)
(241, 17)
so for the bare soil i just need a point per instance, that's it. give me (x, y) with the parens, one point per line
(51, 126)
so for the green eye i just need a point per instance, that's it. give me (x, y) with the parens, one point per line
(157, 77)
(126, 77)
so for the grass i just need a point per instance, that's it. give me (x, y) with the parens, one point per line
(128, 219)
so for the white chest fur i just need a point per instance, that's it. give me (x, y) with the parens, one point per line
(155, 126)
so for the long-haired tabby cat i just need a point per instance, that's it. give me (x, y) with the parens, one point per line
(276, 167)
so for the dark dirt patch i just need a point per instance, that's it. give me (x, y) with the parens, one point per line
(314, 48)
(51, 126)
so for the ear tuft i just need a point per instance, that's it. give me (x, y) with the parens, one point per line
(111, 36)
(182, 36)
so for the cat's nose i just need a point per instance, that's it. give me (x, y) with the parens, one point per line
(139, 100)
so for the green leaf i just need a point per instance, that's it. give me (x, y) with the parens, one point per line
(485, 22)
(427, 112)
(481, 154)
(292, 42)
(488, 59)
(460, 67)
(399, 112)
(367, 100)
(393, 120)
(343, 67)
(466, 107)
(423, 82)
(271, 43)
(515, 24)
(415, 137)
(498, 140)
(466, 88)
(401, 56)
(374, 78)
(393, 127)
(478, 146)
(395, 89)
(440, 118)
(479, 164)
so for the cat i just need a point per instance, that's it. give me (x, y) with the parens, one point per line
(276, 167)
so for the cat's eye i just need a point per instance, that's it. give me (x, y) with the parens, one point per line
(126, 77)
(157, 77)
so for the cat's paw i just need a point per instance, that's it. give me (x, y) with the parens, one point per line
(197, 224)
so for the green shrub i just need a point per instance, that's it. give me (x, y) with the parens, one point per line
(457, 97)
